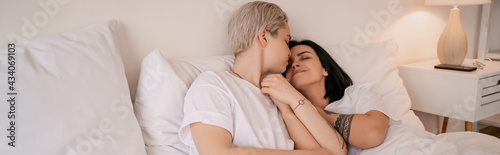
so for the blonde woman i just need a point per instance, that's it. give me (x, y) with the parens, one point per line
(227, 112)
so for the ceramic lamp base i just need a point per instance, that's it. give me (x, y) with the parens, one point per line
(452, 45)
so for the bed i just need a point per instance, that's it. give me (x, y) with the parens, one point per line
(84, 84)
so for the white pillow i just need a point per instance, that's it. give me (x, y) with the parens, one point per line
(374, 63)
(163, 83)
(72, 96)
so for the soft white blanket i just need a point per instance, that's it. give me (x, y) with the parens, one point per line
(411, 141)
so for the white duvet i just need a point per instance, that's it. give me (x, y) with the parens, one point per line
(406, 139)
(411, 141)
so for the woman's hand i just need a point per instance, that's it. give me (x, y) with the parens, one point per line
(283, 107)
(280, 90)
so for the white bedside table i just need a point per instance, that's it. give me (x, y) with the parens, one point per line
(468, 96)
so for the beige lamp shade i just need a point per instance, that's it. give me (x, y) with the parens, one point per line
(456, 2)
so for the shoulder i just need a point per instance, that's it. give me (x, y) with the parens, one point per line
(207, 75)
(208, 78)
(208, 89)
(208, 82)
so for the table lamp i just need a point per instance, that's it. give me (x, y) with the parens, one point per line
(452, 45)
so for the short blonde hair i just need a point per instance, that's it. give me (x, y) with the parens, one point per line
(252, 18)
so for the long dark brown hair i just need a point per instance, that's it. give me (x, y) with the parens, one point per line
(337, 80)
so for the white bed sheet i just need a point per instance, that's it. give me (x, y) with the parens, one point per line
(409, 141)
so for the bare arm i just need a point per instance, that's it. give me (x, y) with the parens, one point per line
(298, 132)
(281, 91)
(323, 133)
(214, 140)
(363, 131)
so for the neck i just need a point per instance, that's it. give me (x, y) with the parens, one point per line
(315, 94)
(248, 65)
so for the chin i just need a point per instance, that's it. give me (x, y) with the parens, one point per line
(282, 70)
(298, 85)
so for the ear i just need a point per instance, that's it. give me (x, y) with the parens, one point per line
(263, 37)
(325, 73)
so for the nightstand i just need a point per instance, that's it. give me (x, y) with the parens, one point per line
(468, 96)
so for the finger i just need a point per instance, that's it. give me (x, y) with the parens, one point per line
(266, 84)
(272, 76)
(274, 80)
(280, 78)
(265, 91)
(268, 78)
(277, 76)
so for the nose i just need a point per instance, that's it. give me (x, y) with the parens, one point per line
(295, 65)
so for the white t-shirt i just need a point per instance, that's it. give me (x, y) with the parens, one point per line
(359, 99)
(226, 101)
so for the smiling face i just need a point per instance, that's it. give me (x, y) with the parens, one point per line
(277, 53)
(305, 68)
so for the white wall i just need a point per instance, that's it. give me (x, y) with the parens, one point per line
(197, 28)
(494, 31)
